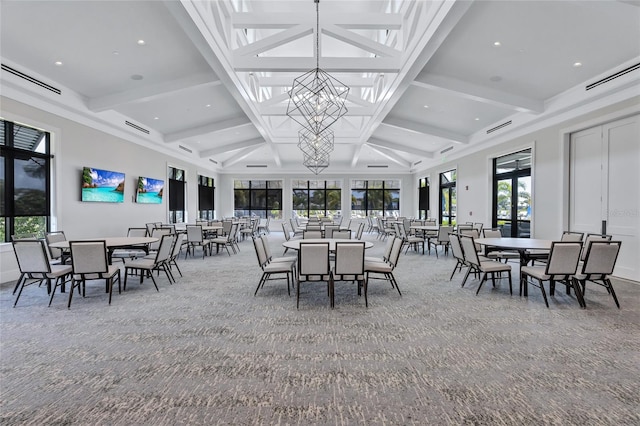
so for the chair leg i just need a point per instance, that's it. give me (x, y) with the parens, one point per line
(613, 293)
(544, 293)
(576, 288)
(484, 278)
(466, 276)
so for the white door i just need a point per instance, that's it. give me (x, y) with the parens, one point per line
(605, 187)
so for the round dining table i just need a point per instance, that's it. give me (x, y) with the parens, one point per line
(112, 243)
(521, 245)
(295, 244)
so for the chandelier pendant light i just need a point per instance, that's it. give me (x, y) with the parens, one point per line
(316, 101)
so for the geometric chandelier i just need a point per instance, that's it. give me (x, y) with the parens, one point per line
(316, 101)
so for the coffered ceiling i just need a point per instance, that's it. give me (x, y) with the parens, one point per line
(208, 81)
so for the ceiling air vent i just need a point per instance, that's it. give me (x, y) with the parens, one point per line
(499, 127)
(213, 161)
(31, 79)
(377, 166)
(613, 76)
(417, 162)
(446, 150)
(256, 165)
(135, 126)
(184, 148)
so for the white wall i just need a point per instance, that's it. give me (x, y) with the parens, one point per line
(75, 146)
(549, 170)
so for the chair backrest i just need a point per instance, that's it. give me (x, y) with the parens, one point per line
(406, 223)
(571, 236)
(329, 230)
(349, 258)
(233, 232)
(387, 249)
(443, 233)
(226, 227)
(285, 231)
(293, 223)
(194, 233)
(177, 245)
(492, 233)
(31, 256)
(396, 249)
(601, 257)
(165, 248)
(137, 232)
(342, 234)
(399, 228)
(259, 247)
(311, 227)
(563, 258)
(469, 249)
(158, 233)
(267, 249)
(478, 226)
(429, 222)
(469, 231)
(150, 227)
(54, 237)
(311, 234)
(589, 239)
(456, 248)
(313, 259)
(360, 231)
(89, 257)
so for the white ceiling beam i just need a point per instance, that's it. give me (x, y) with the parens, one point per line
(390, 155)
(239, 156)
(232, 147)
(360, 21)
(425, 129)
(356, 155)
(208, 128)
(359, 101)
(275, 100)
(274, 41)
(347, 80)
(478, 93)
(359, 41)
(301, 65)
(282, 110)
(399, 147)
(153, 91)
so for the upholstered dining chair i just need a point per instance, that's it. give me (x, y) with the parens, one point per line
(195, 238)
(314, 267)
(561, 266)
(280, 259)
(147, 265)
(599, 262)
(311, 234)
(482, 265)
(90, 261)
(274, 269)
(383, 270)
(34, 264)
(349, 263)
(500, 255)
(228, 240)
(132, 252)
(342, 234)
(440, 239)
(56, 254)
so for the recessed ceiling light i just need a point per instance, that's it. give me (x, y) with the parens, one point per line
(208, 105)
(141, 42)
(156, 118)
(58, 63)
(426, 106)
(577, 64)
(476, 119)
(115, 53)
(497, 43)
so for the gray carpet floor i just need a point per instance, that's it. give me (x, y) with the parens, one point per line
(207, 351)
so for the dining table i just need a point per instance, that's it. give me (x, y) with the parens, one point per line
(295, 244)
(113, 243)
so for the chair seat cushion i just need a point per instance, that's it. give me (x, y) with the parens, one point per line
(59, 270)
(493, 266)
(277, 267)
(290, 259)
(374, 259)
(143, 263)
(377, 267)
(535, 271)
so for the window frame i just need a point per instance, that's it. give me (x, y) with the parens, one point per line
(177, 215)
(272, 190)
(450, 187)
(518, 231)
(325, 189)
(376, 191)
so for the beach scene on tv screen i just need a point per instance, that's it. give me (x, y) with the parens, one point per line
(149, 190)
(102, 185)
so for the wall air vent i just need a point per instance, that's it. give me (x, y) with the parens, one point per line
(31, 79)
(184, 148)
(505, 124)
(377, 166)
(613, 76)
(446, 150)
(256, 165)
(213, 161)
(135, 126)
(417, 162)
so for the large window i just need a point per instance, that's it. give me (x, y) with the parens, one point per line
(206, 191)
(316, 198)
(262, 198)
(448, 197)
(25, 170)
(176, 195)
(375, 198)
(512, 194)
(423, 198)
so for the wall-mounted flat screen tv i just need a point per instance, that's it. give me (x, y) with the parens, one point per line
(149, 190)
(102, 185)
